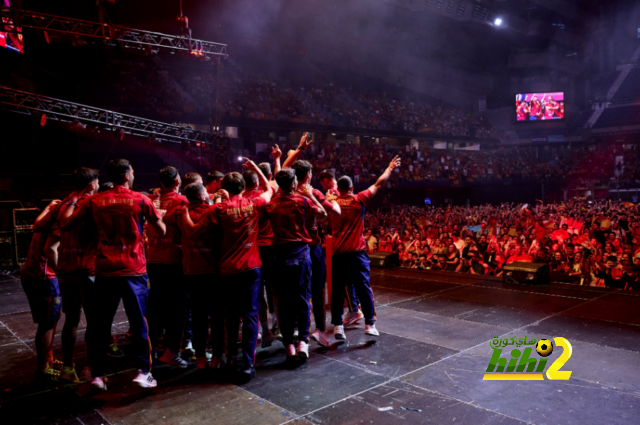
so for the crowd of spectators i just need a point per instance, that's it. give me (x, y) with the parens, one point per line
(265, 100)
(593, 244)
(141, 84)
(468, 167)
(169, 88)
(338, 105)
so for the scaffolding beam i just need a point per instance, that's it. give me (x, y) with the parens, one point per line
(29, 104)
(127, 37)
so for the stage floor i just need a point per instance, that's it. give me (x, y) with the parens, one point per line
(431, 355)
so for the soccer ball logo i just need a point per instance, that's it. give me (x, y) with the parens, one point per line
(544, 348)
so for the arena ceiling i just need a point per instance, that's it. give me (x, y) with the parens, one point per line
(456, 34)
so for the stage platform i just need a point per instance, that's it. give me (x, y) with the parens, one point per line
(431, 356)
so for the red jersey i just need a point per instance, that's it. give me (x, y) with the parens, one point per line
(550, 109)
(119, 215)
(36, 265)
(167, 249)
(536, 109)
(312, 225)
(348, 229)
(237, 220)
(265, 232)
(289, 215)
(522, 111)
(77, 251)
(201, 254)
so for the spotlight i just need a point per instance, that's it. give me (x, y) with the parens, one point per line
(239, 158)
(497, 22)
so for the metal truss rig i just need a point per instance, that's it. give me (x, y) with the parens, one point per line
(127, 37)
(29, 104)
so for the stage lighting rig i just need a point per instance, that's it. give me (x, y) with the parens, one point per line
(127, 37)
(79, 116)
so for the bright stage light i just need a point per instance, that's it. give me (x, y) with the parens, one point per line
(239, 158)
(498, 22)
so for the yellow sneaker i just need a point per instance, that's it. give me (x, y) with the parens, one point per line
(69, 374)
(47, 375)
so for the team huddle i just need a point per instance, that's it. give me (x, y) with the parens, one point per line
(538, 109)
(191, 266)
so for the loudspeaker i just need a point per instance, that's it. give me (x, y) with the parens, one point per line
(384, 260)
(531, 273)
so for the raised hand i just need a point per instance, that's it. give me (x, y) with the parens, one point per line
(250, 165)
(395, 163)
(276, 152)
(305, 141)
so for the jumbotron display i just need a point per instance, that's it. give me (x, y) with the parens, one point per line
(540, 106)
(10, 40)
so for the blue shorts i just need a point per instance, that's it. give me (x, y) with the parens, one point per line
(44, 300)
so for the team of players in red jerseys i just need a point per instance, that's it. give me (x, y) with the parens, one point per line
(187, 266)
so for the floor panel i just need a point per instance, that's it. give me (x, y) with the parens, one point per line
(540, 402)
(310, 386)
(431, 355)
(444, 331)
(399, 403)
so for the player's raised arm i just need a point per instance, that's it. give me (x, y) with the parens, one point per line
(335, 210)
(45, 219)
(277, 153)
(305, 142)
(395, 163)
(307, 191)
(267, 190)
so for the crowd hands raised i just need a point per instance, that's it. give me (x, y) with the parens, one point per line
(594, 244)
(472, 167)
(235, 248)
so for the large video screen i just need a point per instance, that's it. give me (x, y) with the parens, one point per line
(10, 40)
(540, 106)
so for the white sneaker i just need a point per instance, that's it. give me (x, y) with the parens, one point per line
(144, 380)
(202, 362)
(86, 374)
(173, 359)
(188, 350)
(99, 383)
(352, 318)
(371, 330)
(291, 350)
(303, 350)
(338, 333)
(319, 337)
